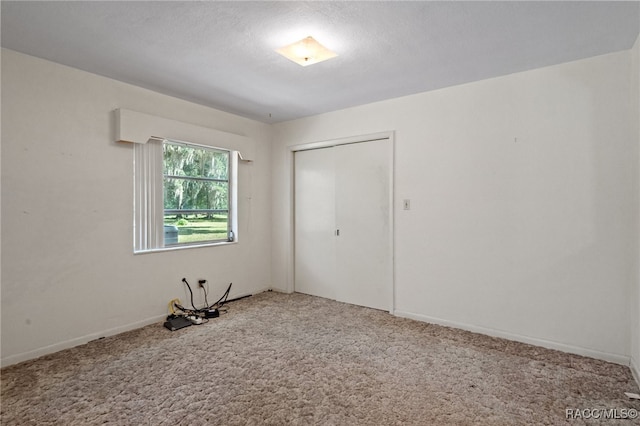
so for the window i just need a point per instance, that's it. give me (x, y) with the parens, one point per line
(183, 195)
(196, 194)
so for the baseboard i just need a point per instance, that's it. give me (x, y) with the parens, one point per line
(279, 290)
(633, 366)
(25, 356)
(605, 356)
(577, 350)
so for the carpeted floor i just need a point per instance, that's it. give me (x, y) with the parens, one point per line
(281, 359)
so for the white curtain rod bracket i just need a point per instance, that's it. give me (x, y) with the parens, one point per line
(242, 159)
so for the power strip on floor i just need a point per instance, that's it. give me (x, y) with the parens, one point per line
(174, 323)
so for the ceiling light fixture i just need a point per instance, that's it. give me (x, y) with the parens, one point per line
(306, 52)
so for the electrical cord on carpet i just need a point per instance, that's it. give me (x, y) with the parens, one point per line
(180, 317)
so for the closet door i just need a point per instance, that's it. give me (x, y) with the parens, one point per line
(315, 251)
(343, 245)
(363, 202)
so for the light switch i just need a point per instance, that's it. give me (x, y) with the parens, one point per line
(407, 204)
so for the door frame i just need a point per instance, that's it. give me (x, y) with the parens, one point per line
(390, 135)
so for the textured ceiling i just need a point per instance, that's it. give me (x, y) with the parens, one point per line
(221, 54)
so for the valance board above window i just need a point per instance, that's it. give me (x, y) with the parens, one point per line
(137, 127)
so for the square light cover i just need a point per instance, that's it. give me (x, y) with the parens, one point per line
(306, 52)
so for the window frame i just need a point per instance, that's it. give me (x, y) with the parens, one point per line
(149, 197)
(227, 181)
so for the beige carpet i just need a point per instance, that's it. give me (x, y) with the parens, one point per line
(293, 359)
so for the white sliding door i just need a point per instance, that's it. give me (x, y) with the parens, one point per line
(315, 260)
(363, 248)
(343, 244)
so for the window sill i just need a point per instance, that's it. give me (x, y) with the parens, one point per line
(184, 247)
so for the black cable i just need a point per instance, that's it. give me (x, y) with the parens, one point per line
(183, 309)
(184, 280)
(225, 296)
(219, 303)
(238, 298)
(205, 296)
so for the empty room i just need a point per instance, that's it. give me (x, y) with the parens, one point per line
(341, 213)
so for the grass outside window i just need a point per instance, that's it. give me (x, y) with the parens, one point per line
(198, 228)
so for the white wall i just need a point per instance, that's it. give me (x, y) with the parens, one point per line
(521, 193)
(635, 299)
(68, 269)
(522, 187)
